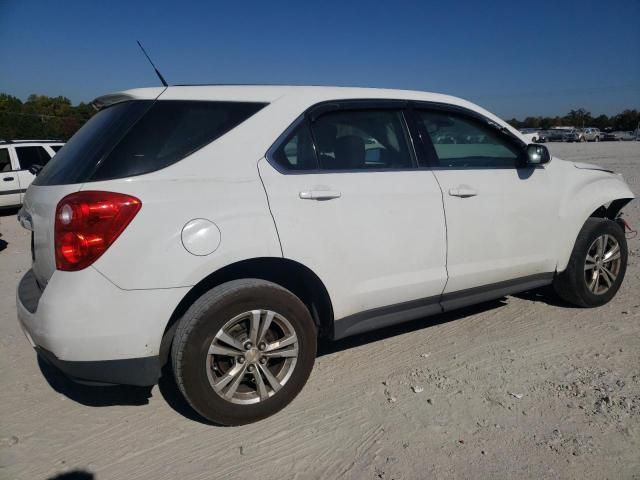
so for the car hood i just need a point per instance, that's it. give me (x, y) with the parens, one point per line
(590, 166)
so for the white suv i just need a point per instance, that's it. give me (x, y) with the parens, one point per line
(226, 228)
(19, 159)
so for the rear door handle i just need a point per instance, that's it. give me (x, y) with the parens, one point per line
(8, 179)
(463, 191)
(319, 195)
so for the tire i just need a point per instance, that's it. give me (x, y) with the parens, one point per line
(197, 370)
(574, 285)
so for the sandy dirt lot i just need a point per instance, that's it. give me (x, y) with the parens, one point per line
(523, 387)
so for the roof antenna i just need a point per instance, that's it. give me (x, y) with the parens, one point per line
(164, 82)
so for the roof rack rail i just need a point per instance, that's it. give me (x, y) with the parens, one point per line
(51, 140)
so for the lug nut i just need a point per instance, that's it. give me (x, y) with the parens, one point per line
(248, 346)
(250, 368)
(263, 360)
(262, 346)
(240, 360)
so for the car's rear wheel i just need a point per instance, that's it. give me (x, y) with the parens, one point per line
(243, 351)
(597, 265)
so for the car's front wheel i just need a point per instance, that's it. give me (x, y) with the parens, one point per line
(243, 351)
(597, 265)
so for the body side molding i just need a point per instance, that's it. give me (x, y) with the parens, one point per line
(424, 307)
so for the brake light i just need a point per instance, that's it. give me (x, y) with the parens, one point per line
(86, 225)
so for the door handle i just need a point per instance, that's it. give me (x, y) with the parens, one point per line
(463, 191)
(319, 195)
(8, 179)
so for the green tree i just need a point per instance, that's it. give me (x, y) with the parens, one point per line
(627, 120)
(41, 117)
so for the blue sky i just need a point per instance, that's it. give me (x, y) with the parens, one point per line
(514, 58)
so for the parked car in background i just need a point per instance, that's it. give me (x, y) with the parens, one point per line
(18, 160)
(555, 134)
(573, 135)
(619, 135)
(591, 134)
(225, 229)
(533, 135)
(625, 136)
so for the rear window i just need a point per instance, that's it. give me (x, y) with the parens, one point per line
(137, 137)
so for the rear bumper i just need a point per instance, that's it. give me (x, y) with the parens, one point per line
(131, 371)
(94, 331)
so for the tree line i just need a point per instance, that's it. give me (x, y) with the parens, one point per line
(627, 120)
(43, 117)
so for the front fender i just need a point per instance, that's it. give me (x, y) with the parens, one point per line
(593, 190)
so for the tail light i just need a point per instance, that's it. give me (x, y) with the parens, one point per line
(86, 225)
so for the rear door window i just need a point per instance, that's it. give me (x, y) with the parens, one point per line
(362, 140)
(29, 156)
(137, 137)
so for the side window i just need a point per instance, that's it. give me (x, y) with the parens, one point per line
(5, 160)
(462, 142)
(28, 156)
(296, 152)
(362, 139)
(55, 148)
(168, 132)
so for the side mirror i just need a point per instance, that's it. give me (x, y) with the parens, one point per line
(537, 155)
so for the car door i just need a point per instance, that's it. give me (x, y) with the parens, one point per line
(500, 214)
(9, 183)
(29, 156)
(350, 204)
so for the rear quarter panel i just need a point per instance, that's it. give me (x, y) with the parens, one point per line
(150, 254)
(220, 183)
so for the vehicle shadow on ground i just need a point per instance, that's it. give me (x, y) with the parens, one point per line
(73, 475)
(171, 393)
(96, 396)
(327, 347)
(3, 244)
(90, 395)
(545, 295)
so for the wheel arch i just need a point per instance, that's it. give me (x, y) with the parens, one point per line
(608, 206)
(292, 275)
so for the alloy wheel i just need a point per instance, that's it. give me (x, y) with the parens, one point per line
(602, 264)
(252, 357)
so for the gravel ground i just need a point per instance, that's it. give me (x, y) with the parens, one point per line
(520, 387)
